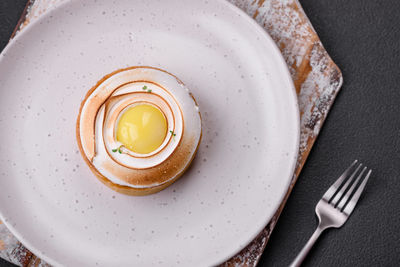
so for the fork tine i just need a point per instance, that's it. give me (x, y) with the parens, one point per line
(353, 201)
(331, 191)
(340, 193)
(346, 197)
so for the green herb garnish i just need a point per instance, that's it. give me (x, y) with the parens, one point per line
(117, 149)
(144, 87)
(172, 132)
(148, 91)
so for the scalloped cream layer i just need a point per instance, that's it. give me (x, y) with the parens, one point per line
(110, 98)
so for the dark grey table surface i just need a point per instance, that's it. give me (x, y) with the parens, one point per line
(363, 38)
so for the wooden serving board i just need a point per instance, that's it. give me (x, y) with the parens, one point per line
(316, 77)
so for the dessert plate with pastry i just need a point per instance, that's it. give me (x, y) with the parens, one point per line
(143, 133)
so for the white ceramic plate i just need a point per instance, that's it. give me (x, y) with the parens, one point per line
(53, 203)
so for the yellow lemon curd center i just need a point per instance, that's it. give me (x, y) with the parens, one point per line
(142, 128)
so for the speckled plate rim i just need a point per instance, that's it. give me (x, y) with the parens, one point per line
(293, 154)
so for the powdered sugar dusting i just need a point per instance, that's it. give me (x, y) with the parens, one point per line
(11, 249)
(317, 80)
(37, 8)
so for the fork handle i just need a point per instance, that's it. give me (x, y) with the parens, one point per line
(310, 243)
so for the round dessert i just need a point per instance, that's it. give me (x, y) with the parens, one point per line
(138, 129)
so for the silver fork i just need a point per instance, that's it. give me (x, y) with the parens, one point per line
(336, 205)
